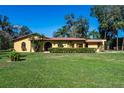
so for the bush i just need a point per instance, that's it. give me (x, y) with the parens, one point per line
(72, 50)
(14, 56)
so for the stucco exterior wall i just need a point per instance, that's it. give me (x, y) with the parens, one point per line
(99, 46)
(92, 45)
(66, 44)
(18, 48)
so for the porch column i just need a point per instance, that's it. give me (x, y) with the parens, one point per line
(43, 45)
(75, 45)
(103, 43)
(30, 46)
(83, 45)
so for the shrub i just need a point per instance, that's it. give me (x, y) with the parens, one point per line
(72, 50)
(14, 56)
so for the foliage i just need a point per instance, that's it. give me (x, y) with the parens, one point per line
(94, 34)
(8, 32)
(5, 40)
(111, 20)
(4, 23)
(24, 30)
(108, 18)
(37, 45)
(62, 32)
(72, 50)
(14, 56)
(74, 27)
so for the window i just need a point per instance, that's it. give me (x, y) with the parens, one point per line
(23, 46)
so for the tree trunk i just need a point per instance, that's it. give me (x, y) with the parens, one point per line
(123, 44)
(117, 42)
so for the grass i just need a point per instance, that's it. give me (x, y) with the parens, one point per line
(63, 70)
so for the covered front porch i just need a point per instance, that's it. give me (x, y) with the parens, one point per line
(44, 45)
(63, 44)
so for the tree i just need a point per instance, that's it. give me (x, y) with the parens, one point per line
(71, 25)
(8, 32)
(24, 30)
(82, 27)
(77, 27)
(74, 27)
(121, 24)
(94, 34)
(4, 22)
(108, 18)
(62, 32)
(5, 33)
(5, 40)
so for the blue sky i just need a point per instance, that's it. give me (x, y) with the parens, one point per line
(46, 19)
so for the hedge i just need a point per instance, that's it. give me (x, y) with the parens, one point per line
(72, 50)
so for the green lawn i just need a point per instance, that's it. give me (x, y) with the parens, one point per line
(63, 70)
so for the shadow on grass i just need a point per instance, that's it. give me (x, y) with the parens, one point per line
(22, 57)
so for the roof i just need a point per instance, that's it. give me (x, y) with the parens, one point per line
(21, 37)
(62, 39)
(95, 40)
(25, 36)
(69, 39)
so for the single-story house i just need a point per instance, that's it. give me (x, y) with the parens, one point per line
(24, 43)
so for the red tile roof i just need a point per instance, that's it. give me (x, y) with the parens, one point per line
(76, 39)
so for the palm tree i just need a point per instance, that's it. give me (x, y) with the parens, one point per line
(62, 32)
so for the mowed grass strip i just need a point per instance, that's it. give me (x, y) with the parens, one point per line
(64, 70)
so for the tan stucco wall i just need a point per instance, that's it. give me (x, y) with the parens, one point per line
(17, 45)
(92, 45)
(99, 47)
